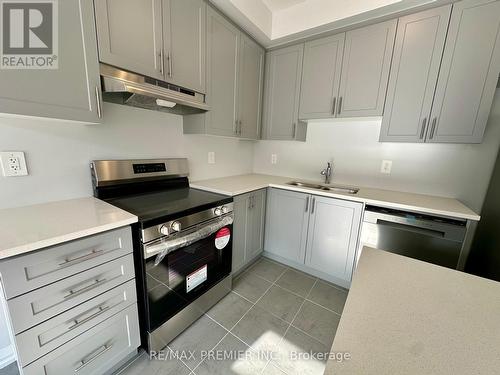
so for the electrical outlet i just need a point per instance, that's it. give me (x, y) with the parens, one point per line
(13, 164)
(386, 166)
(274, 159)
(211, 157)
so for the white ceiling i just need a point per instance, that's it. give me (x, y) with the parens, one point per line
(275, 22)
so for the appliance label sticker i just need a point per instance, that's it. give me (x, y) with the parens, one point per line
(196, 278)
(222, 238)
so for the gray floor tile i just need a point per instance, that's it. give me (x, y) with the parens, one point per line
(271, 369)
(317, 322)
(296, 281)
(229, 310)
(267, 269)
(10, 369)
(167, 365)
(261, 330)
(250, 286)
(203, 335)
(281, 303)
(328, 296)
(302, 355)
(231, 356)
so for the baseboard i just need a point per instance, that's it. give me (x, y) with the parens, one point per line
(7, 356)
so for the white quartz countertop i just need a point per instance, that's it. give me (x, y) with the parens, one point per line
(429, 204)
(404, 316)
(30, 228)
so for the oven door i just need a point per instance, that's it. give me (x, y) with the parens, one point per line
(175, 278)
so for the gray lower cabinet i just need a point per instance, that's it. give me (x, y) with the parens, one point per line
(469, 73)
(415, 66)
(365, 70)
(130, 35)
(282, 94)
(313, 233)
(321, 77)
(70, 92)
(249, 221)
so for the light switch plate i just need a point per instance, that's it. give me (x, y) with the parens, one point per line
(211, 157)
(386, 166)
(13, 164)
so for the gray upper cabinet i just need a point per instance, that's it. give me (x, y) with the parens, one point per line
(469, 73)
(332, 237)
(417, 56)
(222, 69)
(287, 219)
(129, 35)
(250, 88)
(70, 92)
(365, 70)
(321, 77)
(184, 40)
(282, 93)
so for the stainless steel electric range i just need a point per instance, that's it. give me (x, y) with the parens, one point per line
(182, 242)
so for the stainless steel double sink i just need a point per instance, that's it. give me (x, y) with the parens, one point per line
(333, 188)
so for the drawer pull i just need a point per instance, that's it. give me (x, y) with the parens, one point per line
(94, 253)
(74, 292)
(80, 320)
(93, 356)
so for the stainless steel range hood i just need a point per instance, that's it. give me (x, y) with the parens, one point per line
(122, 87)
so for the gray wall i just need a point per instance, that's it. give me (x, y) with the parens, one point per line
(58, 153)
(458, 171)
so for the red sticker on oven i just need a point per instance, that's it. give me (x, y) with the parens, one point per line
(222, 238)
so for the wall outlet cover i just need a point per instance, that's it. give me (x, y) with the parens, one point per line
(13, 164)
(211, 157)
(386, 166)
(274, 159)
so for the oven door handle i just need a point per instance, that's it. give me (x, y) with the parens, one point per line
(162, 247)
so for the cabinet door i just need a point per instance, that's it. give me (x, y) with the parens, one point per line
(70, 92)
(287, 218)
(129, 35)
(256, 222)
(240, 210)
(469, 73)
(321, 77)
(251, 88)
(281, 95)
(223, 40)
(333, 236)
(414, 72)
(184, 40)
(365, 70)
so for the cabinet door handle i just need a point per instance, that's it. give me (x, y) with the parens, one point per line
(75, 292)
(334, 104)
(98, 100)
(294, 130)
(162, 62)
(340, 106)
(78, 321)
(433, 128)
(93, 356)
(170, 69)
(235, 131)
(239, 127)
(70, 261)
(307, 203)
(424, 125)
(313, 204)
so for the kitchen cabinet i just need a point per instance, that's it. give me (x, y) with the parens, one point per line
(184, 40)
(70, 92)
(249, 220)
(469, 73)
(365, 70)
(321, 77)
(333, 236)
(417, 56)
(316, 234)
(282, 94)
(129, 34)
(163, 39)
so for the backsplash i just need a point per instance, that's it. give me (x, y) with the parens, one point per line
(453, 170)
(58, 153)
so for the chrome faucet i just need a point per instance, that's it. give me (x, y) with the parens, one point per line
(327, 172)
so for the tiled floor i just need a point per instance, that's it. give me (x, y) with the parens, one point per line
(273, 315)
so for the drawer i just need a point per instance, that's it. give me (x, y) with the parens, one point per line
(34, 270)
(45, 303)
(45, 337)
(94, 352)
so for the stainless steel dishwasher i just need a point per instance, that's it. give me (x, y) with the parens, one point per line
(429, 238)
